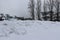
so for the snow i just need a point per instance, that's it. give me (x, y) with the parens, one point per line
(29, 30)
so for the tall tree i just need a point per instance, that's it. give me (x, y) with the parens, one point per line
(51, 4)
(38, 9)
(31, 6)
(57, 4)
(45, 13)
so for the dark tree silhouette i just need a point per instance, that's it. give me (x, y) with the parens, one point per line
(45, 13)
(51, 5)
(57, 5)
(1, 17)
(31, 7)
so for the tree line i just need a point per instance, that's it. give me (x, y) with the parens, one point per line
(49, 10)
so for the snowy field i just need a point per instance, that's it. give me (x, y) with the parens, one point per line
(29, 30)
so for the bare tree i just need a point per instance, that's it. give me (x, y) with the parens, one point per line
(31, 6)
(38, 9)
(51, 4)
(45, 13)
(57, 4)
(45, 6)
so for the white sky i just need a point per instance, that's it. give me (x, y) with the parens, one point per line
(14, 7)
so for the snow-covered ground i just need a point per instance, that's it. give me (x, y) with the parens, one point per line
(29, 30)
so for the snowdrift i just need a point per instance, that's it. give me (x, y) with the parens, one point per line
(29, 30)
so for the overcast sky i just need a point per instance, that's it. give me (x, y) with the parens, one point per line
(14, 7)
